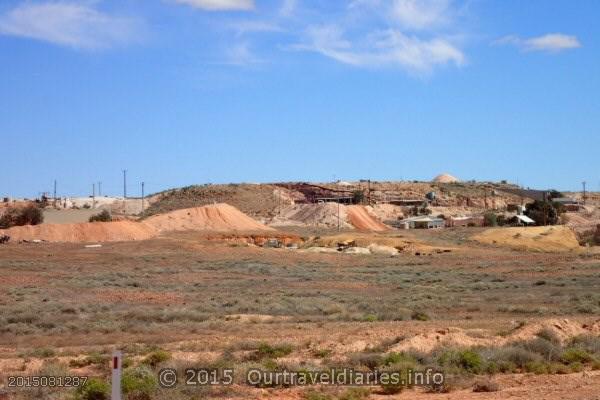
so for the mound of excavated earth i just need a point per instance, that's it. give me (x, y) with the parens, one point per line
(456, 337)
(85, 232)
(362, 220)
(329, 215)
(325, 215)
(213, 218)
(538, 238)
(217, 218)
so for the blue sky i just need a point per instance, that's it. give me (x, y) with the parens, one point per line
(181, 92)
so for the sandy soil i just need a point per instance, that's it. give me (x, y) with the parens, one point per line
(82, 232)
(538, 238)
(68, 216)
(217, 217)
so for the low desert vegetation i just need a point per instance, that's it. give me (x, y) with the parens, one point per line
(19, 216)
(103, 216)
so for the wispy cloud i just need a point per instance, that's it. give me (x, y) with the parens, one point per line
(552, 42)
(421, 14)
(414, 39)
(241, 54)
(70, 24)
(383, 48)
(219, 5)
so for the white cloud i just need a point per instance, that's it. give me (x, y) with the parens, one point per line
(384, 48)
(421, 14)
(407, 34)
(219, 5)
(552, 42)
(69, 24)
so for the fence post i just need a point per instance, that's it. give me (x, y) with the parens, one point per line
(116, 367)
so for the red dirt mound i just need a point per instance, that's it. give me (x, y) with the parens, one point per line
(363, 221)
(86, 232)
(217, 217)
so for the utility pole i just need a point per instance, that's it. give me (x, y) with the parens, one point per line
(124, 192)
(338, 201)
(99, 189)
(54, 196)
(93, 195)
(124, 184)
(584, 193)
(143, 183)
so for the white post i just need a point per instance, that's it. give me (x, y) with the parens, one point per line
(116, 365)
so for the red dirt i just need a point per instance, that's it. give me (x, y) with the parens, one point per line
(362, 220)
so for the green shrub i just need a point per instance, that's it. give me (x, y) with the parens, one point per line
(390, 388)
(19, 216)
(44, 352)
(156, 357)
(467, 360)
(549, 335)
(576, 367)
(419, 316)
(548, 350)
(312, 394)
(490, 219)
(506, 367)
(395, 358)
(267, 351)
(103, 216)
(537, 367)
(558, 368)
(269, 364)
(369, 360)
(321, 353)
(370, 318)
(358, 196)
(516, 356)
(574, 354)
(139, 383)
(94, 389)
(588, 342)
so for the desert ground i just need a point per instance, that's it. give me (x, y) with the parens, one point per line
(210, 300)
(501, 312)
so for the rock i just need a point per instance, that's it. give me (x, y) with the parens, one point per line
(383, 250)
(357, 250)
(320, 250)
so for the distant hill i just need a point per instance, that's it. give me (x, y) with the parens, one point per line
(265, 200)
